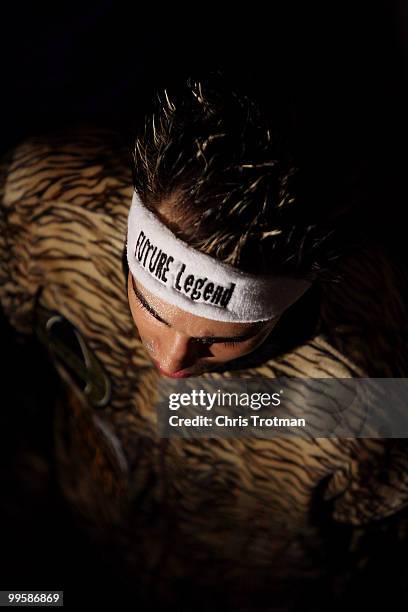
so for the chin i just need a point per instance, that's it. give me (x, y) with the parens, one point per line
(197, 372)
(194, 373)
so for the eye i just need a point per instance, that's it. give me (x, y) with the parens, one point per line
(230, 343)
(140, 303)
(143, 306)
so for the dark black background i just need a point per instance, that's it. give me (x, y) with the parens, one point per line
(97, 63)
(344, 63)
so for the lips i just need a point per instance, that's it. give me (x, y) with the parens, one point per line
(179, 374)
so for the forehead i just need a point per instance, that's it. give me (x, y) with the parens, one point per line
(193, 324)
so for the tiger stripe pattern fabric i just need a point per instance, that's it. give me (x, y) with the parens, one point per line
(259, 513)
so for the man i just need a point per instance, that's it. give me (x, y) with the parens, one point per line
(231, 519)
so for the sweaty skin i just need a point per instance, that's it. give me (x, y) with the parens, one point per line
(185, 344)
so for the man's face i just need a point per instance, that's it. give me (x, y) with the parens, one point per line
(181, 343)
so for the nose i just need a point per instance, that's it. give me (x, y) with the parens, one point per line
(176, 352)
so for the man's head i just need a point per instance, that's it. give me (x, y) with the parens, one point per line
(221, 173)
(177, 340)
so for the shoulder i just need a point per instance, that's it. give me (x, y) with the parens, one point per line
(78, 165)
(64, 204)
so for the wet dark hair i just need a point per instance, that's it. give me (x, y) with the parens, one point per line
(240, 187)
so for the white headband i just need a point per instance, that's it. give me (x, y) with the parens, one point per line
(198, 283)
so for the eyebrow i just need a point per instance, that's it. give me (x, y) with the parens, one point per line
(213, 339)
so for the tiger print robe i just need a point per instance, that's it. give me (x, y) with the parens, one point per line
(239, 519)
